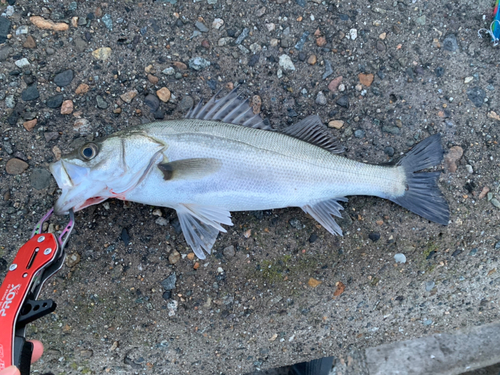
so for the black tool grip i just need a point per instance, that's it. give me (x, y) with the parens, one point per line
(22, 355)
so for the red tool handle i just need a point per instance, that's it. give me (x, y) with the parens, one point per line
(24, 273)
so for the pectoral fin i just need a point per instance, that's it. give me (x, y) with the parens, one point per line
(189, 169)
(201, 225)
(323, 212)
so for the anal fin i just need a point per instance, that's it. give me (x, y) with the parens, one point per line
(201, 225)
(323, 211)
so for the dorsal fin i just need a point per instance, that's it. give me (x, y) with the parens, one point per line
(312, 130)
(230, 109)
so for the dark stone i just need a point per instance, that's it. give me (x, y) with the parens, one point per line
(186, 103)
(159, 114)
(313, 238)
(125, 237)
(167, 295)
(55, 101)
(212, 83)
(450, 43)
(4, 28)
(374, 236)
(343, 101)
(302, 41)
(29, 79)
(101, 103)
(360, 133)
(430, 255)
(254, 59)
(328, 69)
(3, 264)
(439, 71)
(476, 95)
(4, 52)
(473, 251)
(391, 129)
(152, 102)
(40, 178)
(302, 56)
(64, 78)
(50, 136)
(497, 245)
(456, 252)
(389, 151)
(381, 74)
(169, 282)
(31, 93)
(301, 3)
(231, 32)
(242, 36)
(344, 17)
(176, 225)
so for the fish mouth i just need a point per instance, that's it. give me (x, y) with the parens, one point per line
(77, 191)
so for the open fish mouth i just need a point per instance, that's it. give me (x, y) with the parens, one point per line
(75, 194)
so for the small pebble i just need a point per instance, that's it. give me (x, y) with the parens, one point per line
(321, 98)
(229, 251)
(217, 23)
(152, 102)
(16, 166)
(198, 63)
(163, 94)
(374, 236)
(67, 107)
(64, 78)
(286, 62)
(40, 178)
(101, 103)
(400, 258)
(169, 282)
(130, 95)
(174, 257)
(22, 63)
(337, 124)
(429, 285)
(55, 101)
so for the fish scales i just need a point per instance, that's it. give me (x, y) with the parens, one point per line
(222, 158)
(268, 169)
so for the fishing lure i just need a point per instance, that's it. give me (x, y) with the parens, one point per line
(494, 30)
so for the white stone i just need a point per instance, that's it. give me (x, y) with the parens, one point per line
(22, 30)
(286, 62)
(468, 79)
(270, 26)
(22, 63)
(217, 24)
(255, 47)
(353, 33)
(400, 258)
(169, 71)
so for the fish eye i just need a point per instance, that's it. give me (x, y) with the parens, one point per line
(89, 151)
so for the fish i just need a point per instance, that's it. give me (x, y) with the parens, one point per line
(223, 158)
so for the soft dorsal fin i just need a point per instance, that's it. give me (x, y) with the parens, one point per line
(230, 109)
(312, 130)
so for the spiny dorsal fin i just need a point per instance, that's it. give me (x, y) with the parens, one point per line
(312, 130)
(230, 109)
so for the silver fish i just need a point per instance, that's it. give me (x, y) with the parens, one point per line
(223, 158)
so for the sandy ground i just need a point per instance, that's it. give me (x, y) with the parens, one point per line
(408, 69)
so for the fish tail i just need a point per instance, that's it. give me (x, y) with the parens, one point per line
(422, 195)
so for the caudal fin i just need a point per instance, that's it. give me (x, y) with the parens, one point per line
(422, 195)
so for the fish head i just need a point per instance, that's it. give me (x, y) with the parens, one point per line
(106, 168)
(86, 174)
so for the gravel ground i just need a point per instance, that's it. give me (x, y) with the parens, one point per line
(278, 289)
